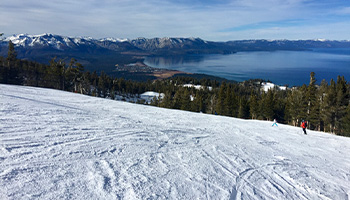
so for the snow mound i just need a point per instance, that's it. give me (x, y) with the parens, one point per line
(150, 95)
(266, 86)
(60, 145)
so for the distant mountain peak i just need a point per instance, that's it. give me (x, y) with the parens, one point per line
(157, 46)
(45, 40)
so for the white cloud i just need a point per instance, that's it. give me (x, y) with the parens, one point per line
(335, 31)
(151, 18)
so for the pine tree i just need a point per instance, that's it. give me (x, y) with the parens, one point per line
(197, 102)
(220, 106)
(55, 75)
(229, 102)
(342, 101)
(322, 92)
(268, 105)
(254, 106)
(201, 104)
(295, 109)
(280, 101)
(94, 80)
(12, 73)
(243, 111)
(330, 104)
(304, 103)
(167, 100)
(205, 96)
(74, 76)
(11, 54)
(346, 123)
(185, 100)
(121, 85)
(3, 71)
(102, 89)
(313, 111)
(86, 83)
(212, 104)
(177, 98)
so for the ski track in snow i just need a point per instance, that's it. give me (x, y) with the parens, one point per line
(60, 145)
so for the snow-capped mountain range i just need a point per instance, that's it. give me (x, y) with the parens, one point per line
(56, 41)
(161, 45)
(63, 42)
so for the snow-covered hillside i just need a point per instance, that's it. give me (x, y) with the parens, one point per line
(60, 145)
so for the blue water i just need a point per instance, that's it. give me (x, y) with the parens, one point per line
(281, 67)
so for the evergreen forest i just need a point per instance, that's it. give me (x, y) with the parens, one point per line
(325, 106)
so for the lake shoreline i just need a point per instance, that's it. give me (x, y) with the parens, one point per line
(282, 67)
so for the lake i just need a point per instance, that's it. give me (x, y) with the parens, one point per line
(280, 67)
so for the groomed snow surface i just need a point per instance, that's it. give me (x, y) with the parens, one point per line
(60, 145)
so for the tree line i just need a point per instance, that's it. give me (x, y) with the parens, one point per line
(326, 106)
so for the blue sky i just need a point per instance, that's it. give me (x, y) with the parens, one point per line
(215, 20)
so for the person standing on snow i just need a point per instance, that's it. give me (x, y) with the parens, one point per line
(274, 122)
(304, 125)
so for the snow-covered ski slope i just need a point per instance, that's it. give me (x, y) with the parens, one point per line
(60, 145)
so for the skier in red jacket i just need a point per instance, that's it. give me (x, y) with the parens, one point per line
(304, 125)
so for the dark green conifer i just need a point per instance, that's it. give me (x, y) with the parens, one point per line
(243, 111)
(254, 106)
(185, 100)
(167, 100)
(11, 54)
(323, 107)
(342, 101)
(268, 105)
(330, 104)
(12, 74)
(345, 121)
(313, 112)
(220, 106)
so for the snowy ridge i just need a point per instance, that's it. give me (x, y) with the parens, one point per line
(60, 145)
(56, 41)
(113, 39)
(63, 42)
(165, 45)
(46, 39)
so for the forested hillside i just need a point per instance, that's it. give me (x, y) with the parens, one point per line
(326, 106)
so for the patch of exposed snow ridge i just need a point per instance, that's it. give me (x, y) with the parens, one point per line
(114, 39)
(150, 95)
(61, 145)
(266, 86)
